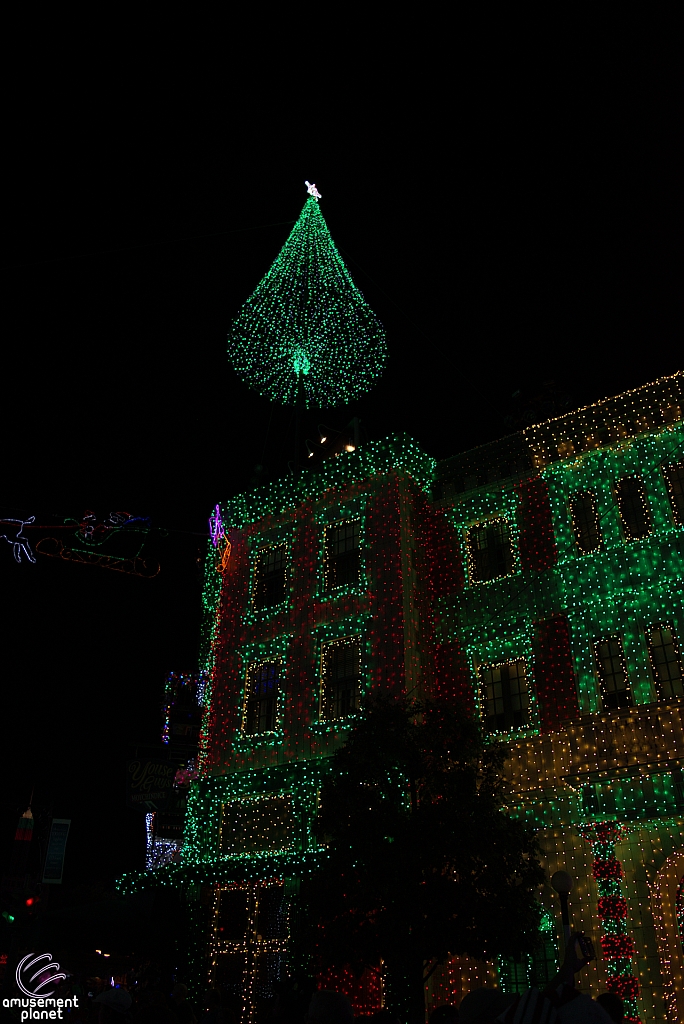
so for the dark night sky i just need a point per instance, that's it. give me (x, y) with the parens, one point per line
(511, 222)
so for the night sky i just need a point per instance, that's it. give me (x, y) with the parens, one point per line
(512, 224)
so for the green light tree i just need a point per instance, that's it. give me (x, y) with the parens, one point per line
(423, 863)
(306, 334)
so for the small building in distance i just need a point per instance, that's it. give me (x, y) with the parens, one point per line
(181, 721)
(538, 579)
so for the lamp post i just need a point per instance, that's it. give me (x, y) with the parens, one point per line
(562, 882)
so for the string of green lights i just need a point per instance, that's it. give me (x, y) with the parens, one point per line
(306, 334)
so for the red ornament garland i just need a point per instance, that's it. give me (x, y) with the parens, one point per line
(607, 869)
(617, 947)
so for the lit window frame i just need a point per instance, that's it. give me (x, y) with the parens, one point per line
(269, 609)
(677, 514)
(678, 657)
(252, 667)
(470, 560)
(636, 476)
(252, 944)
(575, 525)
(522, 730)
(603, 693)
(326, 645)
(333, 591)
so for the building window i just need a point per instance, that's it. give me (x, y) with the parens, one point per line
(261, 704)
(665, 661)
(341, 564)
(262, 825)
(674, 478)
(341, 677)
(249, 945)
(232, 915)
(612, 670)
(585, 522)
(270, 577)
(590, 799)
(635, 514)
(506, 696)
(490, 553)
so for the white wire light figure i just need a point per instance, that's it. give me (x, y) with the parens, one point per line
(18, 542)
(312, 190)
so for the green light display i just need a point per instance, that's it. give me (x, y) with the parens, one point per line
(253, 654)
(306, 333)
(623, 582)
(284, 496)
(202, 860)
(618, 589)
(278, 501)
(427, 609)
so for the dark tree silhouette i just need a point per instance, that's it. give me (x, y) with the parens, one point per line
(424, 862)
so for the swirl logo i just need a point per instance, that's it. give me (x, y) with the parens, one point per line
(36, 974)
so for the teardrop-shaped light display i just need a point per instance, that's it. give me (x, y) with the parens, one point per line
(307, 327)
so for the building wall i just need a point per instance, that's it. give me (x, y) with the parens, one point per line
(575, 763)
(428, 627)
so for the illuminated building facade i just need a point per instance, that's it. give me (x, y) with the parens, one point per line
(569, 628)
(538, 579)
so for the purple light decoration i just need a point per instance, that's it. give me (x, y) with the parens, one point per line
(216, 528)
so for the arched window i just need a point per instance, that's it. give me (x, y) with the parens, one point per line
(635, 514)
(674, 478)
(585, 522)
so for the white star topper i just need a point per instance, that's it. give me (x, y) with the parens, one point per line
(312, 190)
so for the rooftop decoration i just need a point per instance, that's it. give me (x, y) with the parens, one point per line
(306, 335)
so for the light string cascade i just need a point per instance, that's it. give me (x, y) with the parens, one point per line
(306, 333)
